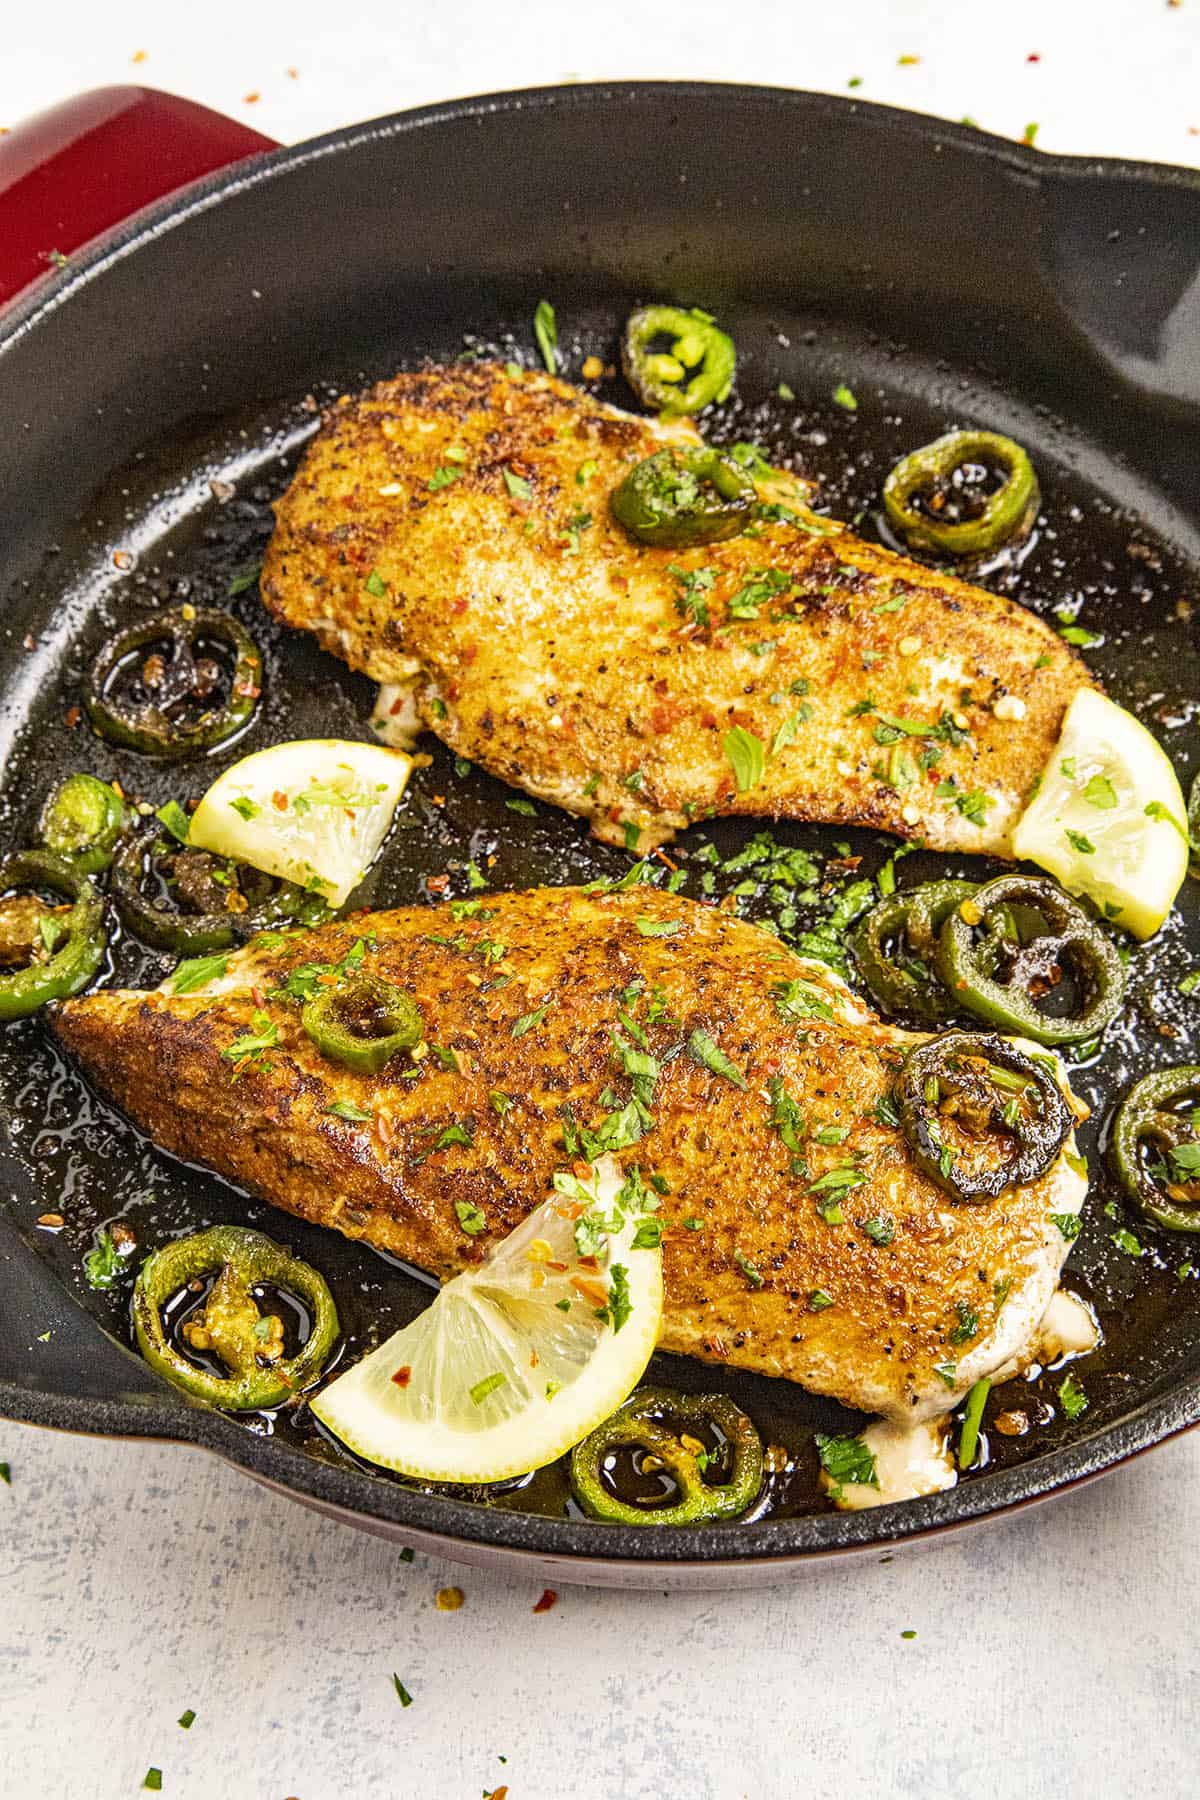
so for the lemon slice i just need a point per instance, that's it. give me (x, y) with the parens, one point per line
(1108, 817)
(518, 1359)
(314, 811)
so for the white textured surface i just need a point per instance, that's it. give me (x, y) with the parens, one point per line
(1055, 1656)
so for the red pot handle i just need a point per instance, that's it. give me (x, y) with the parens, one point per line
(82, 167)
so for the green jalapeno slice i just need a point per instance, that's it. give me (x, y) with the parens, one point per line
(170, 710)
(677, 360)
(362, 1023)
(82, 820)
(896, 943)
(229, 1325)
(1193, 825)
(1011, 944)
(682, 496)
(934, 500)
(72, 943)
(203, 904)
(1161, 1113)
(671, 1449)
(964, 1095)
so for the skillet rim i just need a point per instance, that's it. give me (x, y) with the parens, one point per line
(441, 1521)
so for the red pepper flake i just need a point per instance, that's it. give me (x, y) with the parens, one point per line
(279, 800)
(549, 1598)
(250, 98)
(459, 606)
(397, 705)
(73, 717)
(1033, 57)
(437, 884)
(403, 1375)
(122, 559)
(292, 74)
(139, 56)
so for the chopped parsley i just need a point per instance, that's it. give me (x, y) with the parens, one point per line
(198, 971)
(347, 1109)
(526, 808)
(442, 477)
(249, 1050)
(847, 1459)
(1126, 1242)
(694, 584)
(1072, 1398)
(746, 755)
(455, 1134)
(797, 1000)
(845, 398)
(402, 1693)
(748, 1269)
(881, 1229)
(516, 484)
(1079, 842)
(375, 585)
(653, 928)
(704, 1050)
(968, 1323)
(620, 1306)
(245, 580)
(1100, 793)
(102, 1264)
(1069, 1225)
(529, 1020)
(186, 1720)
(175, 819)
(545, 330)
(470, 1217)
(818, 1300)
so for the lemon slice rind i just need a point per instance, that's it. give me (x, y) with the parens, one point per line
(314, 811)
(1109, 785)
(561, 1371)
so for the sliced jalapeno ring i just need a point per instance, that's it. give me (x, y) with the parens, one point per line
(682, 496)
(167, 714)
(74, 942)
(896, 943)
(221, 913)
(679, 1452)
(966, 1088)
(1010, 944)
(362, 1023)
(82, 820)
(1166, 1191)
(677, 361)
(230, 1325)
(933, 501)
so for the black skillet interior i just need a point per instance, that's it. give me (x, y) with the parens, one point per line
(942, 277)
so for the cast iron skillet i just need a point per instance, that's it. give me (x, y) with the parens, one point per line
(944, 276)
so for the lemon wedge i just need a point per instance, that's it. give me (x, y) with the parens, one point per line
(518, 1359)
(1108, 818)
(314, 811)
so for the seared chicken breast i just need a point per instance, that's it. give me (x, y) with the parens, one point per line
(449, 534)
(800, 1238)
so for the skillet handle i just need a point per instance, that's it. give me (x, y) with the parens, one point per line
(82, 167)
